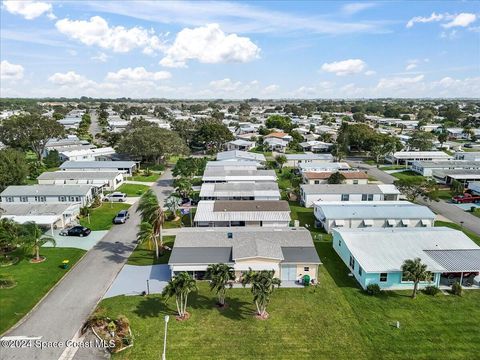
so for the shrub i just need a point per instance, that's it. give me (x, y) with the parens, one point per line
(431, 290)
(84, 211)
(373, 290)
(127, 340)
(7, 282)
(457, 289)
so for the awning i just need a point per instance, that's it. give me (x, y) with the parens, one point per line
(405, 222)
(339, 222)
(391, 222)
(255, 266)
(368, 222)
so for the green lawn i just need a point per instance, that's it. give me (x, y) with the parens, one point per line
(392, 167)
(142, 255)
(133, 189)
(101, 217)
(334, 320)
(283, 178)
(444, 194)
(408, 174)
(467, 232)
(183, 220)
(34, 280)
(150, 178)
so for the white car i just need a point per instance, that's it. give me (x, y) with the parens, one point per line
(115, 197)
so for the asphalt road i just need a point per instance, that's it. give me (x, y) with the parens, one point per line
(64, 310)
(441, 207)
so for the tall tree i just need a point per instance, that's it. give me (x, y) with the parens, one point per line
(180, 286)
(220, 276)
(212, 134)
(10, 234)
(280, 160)
(442, 138)
(30, 132)
(417, 187)
(13, 168)
(151, 213)
(336, 178)
(414, 270)
(421, 140)
(33, 239)
(183, 187)
(262, 284)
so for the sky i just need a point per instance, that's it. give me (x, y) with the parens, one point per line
(236, 50)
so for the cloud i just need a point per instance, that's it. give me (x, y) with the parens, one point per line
(9, 71)
(421, 19)
(345, 67)
(370, 72)
(69, 78)
(398, 83)
(28, 9)
(226, 85)
(270, 89)
(101, 56)
(96, 31)
(209, 44)
(411, 66)
(353, 8)
(137, 74)
(461, 20)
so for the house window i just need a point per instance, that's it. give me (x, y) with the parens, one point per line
(40, 198)
(306, 269)
(345, 197)
(404, 277)
(360, 271)
(9, 199)
(352, 262)
(62, 198)
(317, 182)
(23, 198)
(383, 277)
(339, 243)
(370, 197)
(77, 198)
(71, 198)
(364, 197)
(355, 182)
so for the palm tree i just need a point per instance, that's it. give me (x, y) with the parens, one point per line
(281, 160)
(152, 214)
(183, 186)
(33, 239)
(146, 234)
(414, 270)
(262, 285)
(220, 276)
(10, 234)
(172, 203)
(179, 287)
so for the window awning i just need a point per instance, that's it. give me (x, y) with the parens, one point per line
(405, 222)
(339, 222)
(368, 222)
(391, 222)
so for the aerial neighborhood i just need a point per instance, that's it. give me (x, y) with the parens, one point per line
(146, 217)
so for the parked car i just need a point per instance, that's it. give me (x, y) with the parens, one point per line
(466, 198)
(116, 197)
(76, 231)
(121, 217)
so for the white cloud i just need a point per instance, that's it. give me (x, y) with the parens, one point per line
(226, 85)
(461, 20)
(411, 66)
(69, 78)
(370, 72)
(209, 44)
(345, 67)
(398, 83)
(270, 89)
(420, 19)
(137, 74)
(353, 8)
(96, 31)
(101, 56)
(28, 9)
(9, 71)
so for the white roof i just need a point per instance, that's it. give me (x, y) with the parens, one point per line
(89, 152)
(421, 154)
(240, 189)
(240, 155)
(385, 249)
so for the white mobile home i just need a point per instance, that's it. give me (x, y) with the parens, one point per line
(79, 194)
(106, 180)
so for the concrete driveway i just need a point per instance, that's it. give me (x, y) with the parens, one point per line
(132, 280)
(85, 243)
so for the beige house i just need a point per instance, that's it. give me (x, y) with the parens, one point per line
(289, 252)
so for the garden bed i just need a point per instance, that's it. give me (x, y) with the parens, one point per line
(8, 260)
(114, 333)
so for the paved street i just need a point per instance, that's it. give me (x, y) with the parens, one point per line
(62, 313)
(450, 211)
(94, 126)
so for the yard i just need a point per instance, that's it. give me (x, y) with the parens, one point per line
(334, 320)
(142, 255)
(33, 282)
(145, 178)
(133, 189)
(408, 175)
(101, 217)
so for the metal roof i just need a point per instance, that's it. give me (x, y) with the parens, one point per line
(79, 175)
(341, 189)
(241, 155)
(385, 249)
(232, 211)
(97, 164)
(309, 156)
(373, 210)
(239, 189)
(199, 245)
(457, 260)
(46, 190)
(24, 209)
(233, 164)
(421, 154)
(447, 164)
(221, 174)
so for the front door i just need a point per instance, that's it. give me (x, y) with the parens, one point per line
(289, 272)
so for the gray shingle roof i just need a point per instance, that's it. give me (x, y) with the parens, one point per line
(340, 189)
(97, 164)
(78, 175)
(232, 211)
(206, 246)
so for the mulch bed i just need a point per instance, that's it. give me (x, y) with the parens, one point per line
(183, 318)
(35, 261)
(260, 317)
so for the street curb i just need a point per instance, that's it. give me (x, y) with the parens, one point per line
(24, 317)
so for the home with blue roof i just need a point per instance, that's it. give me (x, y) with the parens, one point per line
(376, 256)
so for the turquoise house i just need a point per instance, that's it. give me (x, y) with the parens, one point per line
(376, 255)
